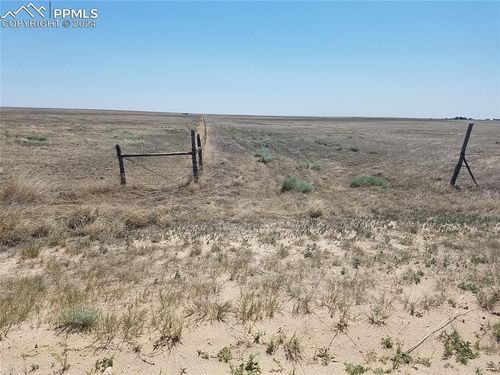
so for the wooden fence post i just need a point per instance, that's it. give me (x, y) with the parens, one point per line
(194, 153)
(200, 152)
(123, 180)
(461, 159)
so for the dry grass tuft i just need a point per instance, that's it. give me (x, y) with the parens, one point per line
(205, 309)
(105, 229)
(293, 349)
(315, 212)
(31, 250)
(19, 190)
(82, 217)
(137, 219)
(18, 225)
(169, 327)
(18, 298)
(98, 189)
(11, 229)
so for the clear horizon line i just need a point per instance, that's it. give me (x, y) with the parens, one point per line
(251, 115)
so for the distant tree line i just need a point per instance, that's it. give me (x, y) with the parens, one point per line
(461, 118)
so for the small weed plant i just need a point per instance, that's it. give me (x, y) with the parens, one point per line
(250, 367)
(353, 369)
(455, 346)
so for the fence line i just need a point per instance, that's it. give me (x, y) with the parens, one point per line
(197, 147)
(204, 128)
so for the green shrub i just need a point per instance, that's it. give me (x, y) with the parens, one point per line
(265, 155)
(304, 187)
(469, 287)
(387, 343)
(31, 137)
(250, 367)
(369, 181)
(455, 346)
(37, 138)
(352, 369)
(479, 259)
(289, 184)
(293, 183)
(78, 319)
(225, 354)
(400, 358)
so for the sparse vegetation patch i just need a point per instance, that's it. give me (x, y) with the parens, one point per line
(369, 181)
(460, 349)
(29, 137)
(157, 276)
(78, 319)
(293, 183)
(265, 155)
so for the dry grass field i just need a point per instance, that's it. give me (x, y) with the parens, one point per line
(309, 246)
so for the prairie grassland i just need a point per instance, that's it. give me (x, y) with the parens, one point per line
(310, 246)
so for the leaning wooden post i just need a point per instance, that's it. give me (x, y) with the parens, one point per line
(194, 153)
(123, 180)
(200, 152)
(462, 155)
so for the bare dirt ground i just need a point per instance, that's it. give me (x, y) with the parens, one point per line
(275, 262)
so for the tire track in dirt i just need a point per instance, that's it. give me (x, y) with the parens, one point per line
(232, 171)
(229, 160)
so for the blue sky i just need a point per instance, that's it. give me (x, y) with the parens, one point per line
(411, 59)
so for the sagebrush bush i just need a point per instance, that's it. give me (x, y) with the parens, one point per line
(265, 155)
(369, 181)
(304, 187)
(293, 183)
(78, 319)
